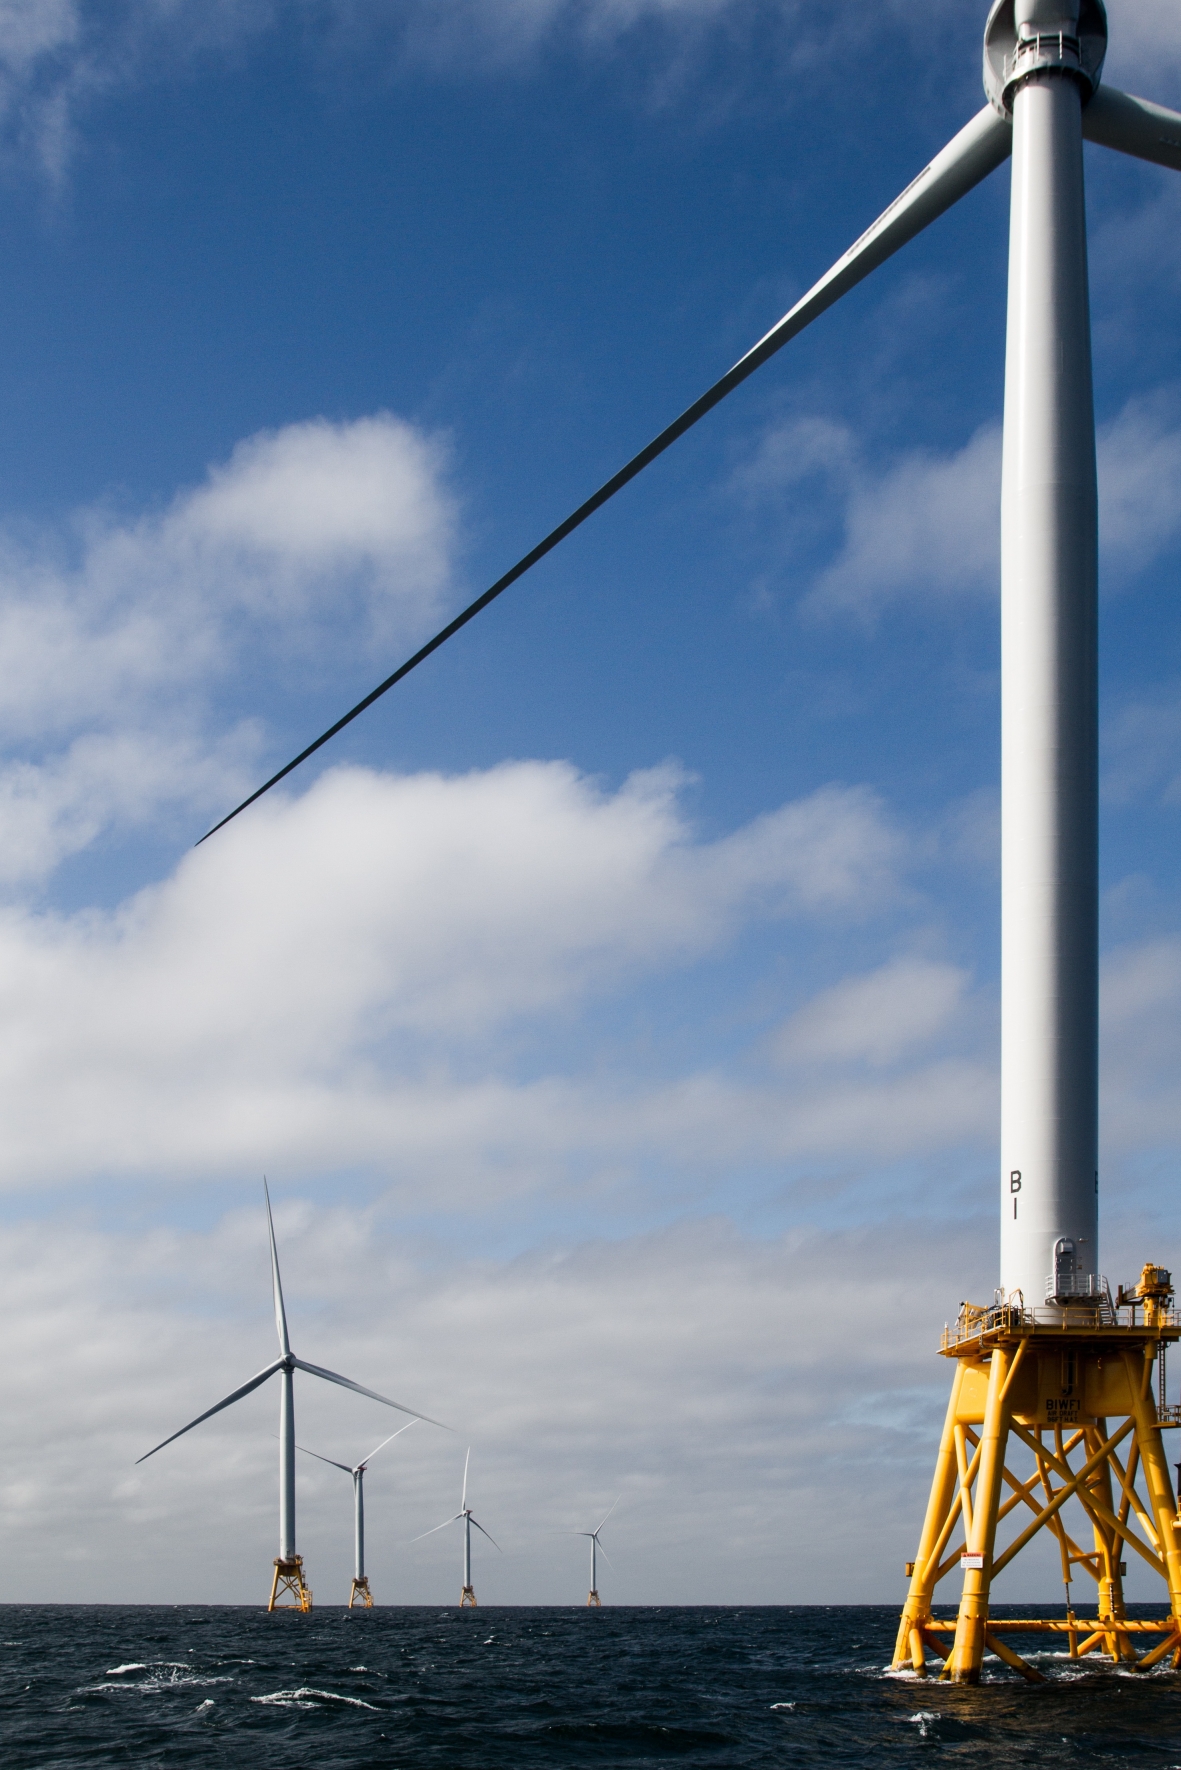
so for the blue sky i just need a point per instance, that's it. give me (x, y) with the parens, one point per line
(614, 1006)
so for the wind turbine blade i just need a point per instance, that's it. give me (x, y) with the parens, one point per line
(316, 1370)
(276, 1281)
(210, 1411)
(491, 1539)
(970, 156)
(320, 1459)
(1133, 126)
(434, 1527)
(364, 1464)
(618, 1497)
(606, 1558)
(466, 1461)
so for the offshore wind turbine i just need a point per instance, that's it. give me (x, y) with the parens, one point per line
(1055, 1353)
(359, 1591)
(593, 1598)
(288, 1575)
(467, 1596)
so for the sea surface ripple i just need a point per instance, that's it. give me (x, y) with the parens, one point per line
(98, 1685)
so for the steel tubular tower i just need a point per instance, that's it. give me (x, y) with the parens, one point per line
(1049, 796)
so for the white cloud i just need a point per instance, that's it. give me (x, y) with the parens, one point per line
(927, 527)
(877, 1018)
(1141, 1020)
(309, 540)
(55, 55)
(305, 982)
(1139, 484)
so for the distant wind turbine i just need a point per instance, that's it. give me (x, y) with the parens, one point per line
(467, 1596)
(360, 1592)
(593, 1597)
(288, 1565)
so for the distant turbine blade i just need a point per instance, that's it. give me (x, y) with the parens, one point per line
(491, 1539)
(618, 1497)
(1133, 126)
(210, 1411)
(320, 1459)
(466, 1461)
(977, 150)
(316, 1370)
(364, 1463)
(434, 1527)
(276, 1281)
(606, 1557)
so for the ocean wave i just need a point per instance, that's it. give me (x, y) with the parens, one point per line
(305, 1697)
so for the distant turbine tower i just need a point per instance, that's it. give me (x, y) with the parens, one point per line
(1055, 1358)
(467, 1595)
(593, 1596)
(359, 1592)
(288, 1565)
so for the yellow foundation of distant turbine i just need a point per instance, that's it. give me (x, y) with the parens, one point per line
(1075, 1396)
(360, 1593)
(289, 1579)
(593, 1599)
(466, 1597)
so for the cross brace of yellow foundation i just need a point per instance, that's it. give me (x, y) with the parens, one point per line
(1070, 1395)
(289, 1578)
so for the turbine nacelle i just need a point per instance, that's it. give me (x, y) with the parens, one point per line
(1024, 37)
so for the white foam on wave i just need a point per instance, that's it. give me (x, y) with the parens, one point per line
(133, 1665)
(306, 1697)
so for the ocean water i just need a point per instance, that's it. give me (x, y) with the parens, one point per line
(530, 1689)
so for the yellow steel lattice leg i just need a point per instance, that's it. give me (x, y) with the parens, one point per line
(289, 1579)
(1163, 1507)
(594, 1601)
(936, 1526)
(967, 1655)
(467, 1598)
(360, 1593)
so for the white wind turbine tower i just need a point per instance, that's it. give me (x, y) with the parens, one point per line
(359, 1591)
(288, 1576)
(467, 1596)
(593, 1598)
(1055, 1353)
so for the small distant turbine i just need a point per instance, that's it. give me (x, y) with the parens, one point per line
(360, 1593)
(288, 1565)
(467, 1596)
(593, 1598)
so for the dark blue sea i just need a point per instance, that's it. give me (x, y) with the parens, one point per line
(530, 1689)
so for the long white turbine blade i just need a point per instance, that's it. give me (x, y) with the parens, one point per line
(329, 1460)
(610, 1509)
(980, 147)
(316, 1370)
(1134, 126)
(210, 1411)
(365, 1462)
(606, 1557)
(434, 1527)
(276, 1281)
(491, 1539)
(466, 1461)
(977, 150)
